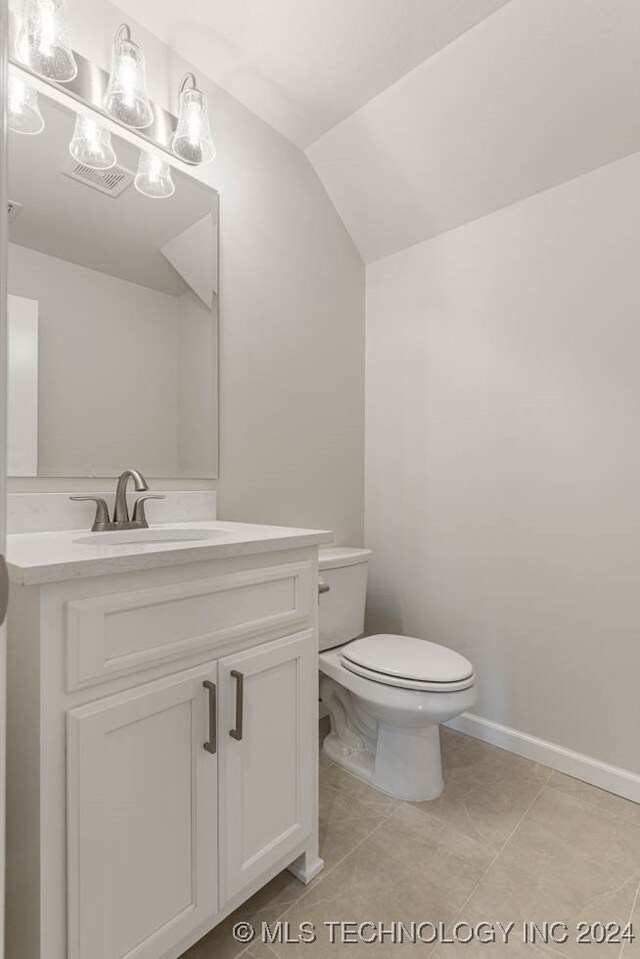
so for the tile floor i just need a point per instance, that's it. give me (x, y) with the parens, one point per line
(508, 841)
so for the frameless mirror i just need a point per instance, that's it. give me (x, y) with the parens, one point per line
(113, 315)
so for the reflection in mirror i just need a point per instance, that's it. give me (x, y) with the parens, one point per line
(113, 315)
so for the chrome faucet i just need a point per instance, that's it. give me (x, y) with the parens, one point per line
(121, 518)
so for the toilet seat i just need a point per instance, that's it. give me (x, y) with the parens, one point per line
(408, 663)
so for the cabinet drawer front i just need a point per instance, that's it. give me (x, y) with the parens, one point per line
(121, 633)
(142, 843)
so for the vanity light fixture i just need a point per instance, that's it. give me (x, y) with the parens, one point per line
(23, 112)
(192, 140)
(154, 176)
(126, 98)
(91, 144)
(43, 48)
(43, 41)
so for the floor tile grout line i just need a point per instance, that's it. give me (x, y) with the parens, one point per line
(545, 785)
(635, 902)
(381, 824)
(261, 943)
(324, 874)
(434, 819)
(502, 848)
(550, 950)
(595, 810)
(480, 842)
(594, 807)
(340, 861)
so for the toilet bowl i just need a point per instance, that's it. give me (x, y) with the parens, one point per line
(386, 694)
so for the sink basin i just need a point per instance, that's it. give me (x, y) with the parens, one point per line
(131, 537)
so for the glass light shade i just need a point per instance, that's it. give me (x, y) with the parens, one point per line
(23, 112)
(91, 144)
(154, 176)
(126, 98)
(43, 41)
(192, 140)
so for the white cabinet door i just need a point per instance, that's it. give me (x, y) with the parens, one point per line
(142, 853)
(267, 705)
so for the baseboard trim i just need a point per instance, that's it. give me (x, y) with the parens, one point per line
(622, 782)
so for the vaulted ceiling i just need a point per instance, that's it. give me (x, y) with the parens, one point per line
(421, 115)
(537, 94)
(305, 65)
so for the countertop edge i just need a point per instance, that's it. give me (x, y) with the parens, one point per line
(111, 566)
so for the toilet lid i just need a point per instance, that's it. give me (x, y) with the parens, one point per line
(407, 658)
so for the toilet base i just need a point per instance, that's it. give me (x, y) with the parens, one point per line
(387, 735)
(407, 763)
(358, 762)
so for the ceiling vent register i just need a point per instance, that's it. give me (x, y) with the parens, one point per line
(111, 182)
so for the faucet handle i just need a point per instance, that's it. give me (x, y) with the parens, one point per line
(139, 515)
(102, 511)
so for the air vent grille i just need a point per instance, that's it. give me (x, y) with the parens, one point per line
(111, 182)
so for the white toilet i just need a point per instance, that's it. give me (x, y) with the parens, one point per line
(385, 694)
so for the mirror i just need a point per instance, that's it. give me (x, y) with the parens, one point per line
(113, 315)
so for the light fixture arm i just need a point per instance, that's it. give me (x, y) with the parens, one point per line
(188, 78)
(123, 33)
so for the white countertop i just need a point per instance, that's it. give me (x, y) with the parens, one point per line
(35, 558)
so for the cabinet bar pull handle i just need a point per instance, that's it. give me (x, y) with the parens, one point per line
(237, 732)
(211, 746)
(323, 587)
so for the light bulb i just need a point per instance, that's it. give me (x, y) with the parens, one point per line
(192, 140)
(23, 112)
(43, 41)
(91, 144)
(126, 98)
(154, 176)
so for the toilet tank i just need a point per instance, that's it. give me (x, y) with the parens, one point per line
(344, 570)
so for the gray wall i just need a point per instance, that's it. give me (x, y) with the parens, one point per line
(503, 462)
(291, 314)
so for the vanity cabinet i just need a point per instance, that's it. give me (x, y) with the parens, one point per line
(162, 752)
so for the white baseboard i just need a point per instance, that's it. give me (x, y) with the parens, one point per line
(622, 782)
